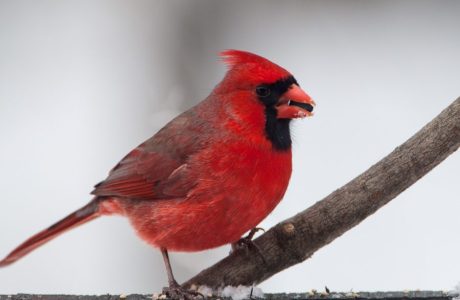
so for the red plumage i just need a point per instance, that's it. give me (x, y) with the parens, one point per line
(212, 173)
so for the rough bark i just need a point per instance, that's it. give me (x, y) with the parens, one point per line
(297, 238)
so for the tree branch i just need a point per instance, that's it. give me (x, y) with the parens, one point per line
(297, 238)
(406, 295)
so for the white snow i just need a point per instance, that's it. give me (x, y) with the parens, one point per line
(241, 292)
(205, 290)
(457, 291)
(235, 292)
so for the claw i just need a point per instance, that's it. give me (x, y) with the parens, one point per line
(175, 291)
(246, 243)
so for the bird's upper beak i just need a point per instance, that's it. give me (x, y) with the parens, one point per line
(294, 103)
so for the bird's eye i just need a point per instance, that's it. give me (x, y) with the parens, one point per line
(263, 91)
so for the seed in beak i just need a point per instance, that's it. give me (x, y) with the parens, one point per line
(306, 106)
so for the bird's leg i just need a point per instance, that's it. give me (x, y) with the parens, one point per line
(175, 291)
(171, 281)
(246, 243)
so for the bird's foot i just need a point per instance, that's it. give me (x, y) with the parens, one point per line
(246, 243)
(176, 292)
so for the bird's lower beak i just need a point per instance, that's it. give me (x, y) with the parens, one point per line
(295, 103)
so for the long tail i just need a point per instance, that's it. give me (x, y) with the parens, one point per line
(83, 215)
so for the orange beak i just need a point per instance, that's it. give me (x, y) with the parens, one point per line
(295, 103)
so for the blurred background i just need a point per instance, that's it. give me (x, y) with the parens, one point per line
(83, 82)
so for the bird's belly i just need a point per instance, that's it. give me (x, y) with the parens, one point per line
(184, 226)
(219, 210)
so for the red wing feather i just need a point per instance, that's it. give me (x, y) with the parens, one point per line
(155, 169)
(145, 175)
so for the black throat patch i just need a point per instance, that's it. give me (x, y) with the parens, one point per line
(277, 130)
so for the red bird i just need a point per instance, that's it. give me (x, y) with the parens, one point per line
(211, 174)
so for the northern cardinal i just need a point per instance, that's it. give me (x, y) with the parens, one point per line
(211, 174)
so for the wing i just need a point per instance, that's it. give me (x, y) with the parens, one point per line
(158, 169)
(146, 175)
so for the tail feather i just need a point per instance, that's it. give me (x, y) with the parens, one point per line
(82, 215)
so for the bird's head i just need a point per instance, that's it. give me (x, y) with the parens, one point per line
(272, 85)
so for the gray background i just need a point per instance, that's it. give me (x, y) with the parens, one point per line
(83, 82)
